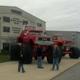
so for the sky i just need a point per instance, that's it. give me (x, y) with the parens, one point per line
(63, 15)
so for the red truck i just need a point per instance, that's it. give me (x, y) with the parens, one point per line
(67, 46)
(29, 40)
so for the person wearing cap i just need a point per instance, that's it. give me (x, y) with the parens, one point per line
(20, 65)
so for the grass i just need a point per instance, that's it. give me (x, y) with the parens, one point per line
(4, 56)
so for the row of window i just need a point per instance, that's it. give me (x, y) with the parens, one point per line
(17, 21)
(15, 30)
(7, 19)
(7, 29)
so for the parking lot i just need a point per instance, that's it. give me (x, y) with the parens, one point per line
(8, 70)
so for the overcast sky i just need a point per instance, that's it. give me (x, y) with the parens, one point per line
(58, 14)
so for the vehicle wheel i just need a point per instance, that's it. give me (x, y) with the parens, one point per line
(27, 52)
(75, 53)
(79, 52)
(35, 57)
(14, 52)
(50, 58)
(63, 55)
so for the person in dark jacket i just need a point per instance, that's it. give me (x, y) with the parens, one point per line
(21, 61)
(56, 55)
(60, 45)
(39, 56)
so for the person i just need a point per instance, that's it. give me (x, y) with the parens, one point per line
(39, 57)
(60, 46)
(56, 55)
(20, 65)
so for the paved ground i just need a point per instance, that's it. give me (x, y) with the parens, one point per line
(72, 73)
(8, 70)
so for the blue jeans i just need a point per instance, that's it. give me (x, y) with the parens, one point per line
(20, 66)
(39, 61)
(55, 63)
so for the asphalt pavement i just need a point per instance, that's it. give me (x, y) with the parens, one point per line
(73, 73)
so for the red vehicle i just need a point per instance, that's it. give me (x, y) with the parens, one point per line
(29, 39)
(67, 46)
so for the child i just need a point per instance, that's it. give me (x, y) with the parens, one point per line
(21, 61)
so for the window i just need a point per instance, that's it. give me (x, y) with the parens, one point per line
(6, 29)
(39, 24)
(6, 46)
(16, 11)
(25, 22)
(6, 19)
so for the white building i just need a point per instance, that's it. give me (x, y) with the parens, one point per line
(12, 20)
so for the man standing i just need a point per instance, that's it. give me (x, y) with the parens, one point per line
(60, 45)
(56, 55)
(21, 61)
(39, 57)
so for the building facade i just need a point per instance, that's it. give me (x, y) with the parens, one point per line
(12, 20)
(72, 35)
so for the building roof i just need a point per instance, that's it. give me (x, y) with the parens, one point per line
(23, 11)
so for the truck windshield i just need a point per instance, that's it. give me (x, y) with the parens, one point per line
(59, 38)
(36, 32)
